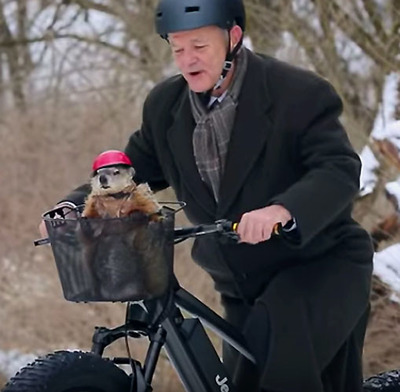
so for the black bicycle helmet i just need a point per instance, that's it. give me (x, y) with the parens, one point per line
(179, 15)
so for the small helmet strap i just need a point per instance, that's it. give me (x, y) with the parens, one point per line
(228, 64)
(230, 56)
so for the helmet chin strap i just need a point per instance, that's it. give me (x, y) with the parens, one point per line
(228, 64)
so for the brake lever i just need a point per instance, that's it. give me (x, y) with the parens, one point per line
(228, 229)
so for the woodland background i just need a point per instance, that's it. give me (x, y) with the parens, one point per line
(73, 77)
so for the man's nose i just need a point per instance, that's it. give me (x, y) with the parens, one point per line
(190, 58)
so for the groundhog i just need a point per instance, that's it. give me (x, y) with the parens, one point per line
(122, 259)
(114, 195)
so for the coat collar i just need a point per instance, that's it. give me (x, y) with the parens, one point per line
(249, 136)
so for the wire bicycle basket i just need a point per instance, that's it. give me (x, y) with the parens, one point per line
(115, 259)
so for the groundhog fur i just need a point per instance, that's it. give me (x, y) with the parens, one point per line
(114, 195)
(108, 246)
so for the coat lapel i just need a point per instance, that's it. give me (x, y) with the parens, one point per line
(249, 134)
(180, 136)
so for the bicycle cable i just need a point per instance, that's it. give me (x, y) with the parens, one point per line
(128, 350)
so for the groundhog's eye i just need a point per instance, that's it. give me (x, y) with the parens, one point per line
(116, 172)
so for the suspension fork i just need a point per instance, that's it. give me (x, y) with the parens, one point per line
(136, 326)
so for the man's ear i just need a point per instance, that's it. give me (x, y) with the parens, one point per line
(132, 171)
(236, 34)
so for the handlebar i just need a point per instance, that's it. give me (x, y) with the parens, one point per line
(222, 227)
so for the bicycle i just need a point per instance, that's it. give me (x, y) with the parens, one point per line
(154, 310)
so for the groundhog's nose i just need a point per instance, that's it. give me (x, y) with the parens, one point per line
(103, 179)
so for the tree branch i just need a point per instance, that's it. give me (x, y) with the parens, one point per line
(99, 42)
(370, 8)
(365, 41)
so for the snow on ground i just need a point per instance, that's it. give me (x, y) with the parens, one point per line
(387, 268)
(368, 175)
(385, 122)
(12, 361)
(393, 188)
(386, 126)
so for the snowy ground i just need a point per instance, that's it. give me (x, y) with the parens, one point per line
(387, 268)
(12, 361)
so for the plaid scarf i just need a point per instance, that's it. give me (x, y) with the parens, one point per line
(213, 127)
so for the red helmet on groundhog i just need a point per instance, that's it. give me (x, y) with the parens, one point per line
(111, 158)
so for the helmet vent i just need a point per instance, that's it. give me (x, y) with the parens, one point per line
(192, 9)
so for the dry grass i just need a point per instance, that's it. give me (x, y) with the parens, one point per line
(46, 153)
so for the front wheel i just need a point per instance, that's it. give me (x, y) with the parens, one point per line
(383, 382)
(66, 371)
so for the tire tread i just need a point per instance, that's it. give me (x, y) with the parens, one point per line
(36, 376)
(383, 382)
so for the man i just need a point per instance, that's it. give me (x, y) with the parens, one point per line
(256, 141)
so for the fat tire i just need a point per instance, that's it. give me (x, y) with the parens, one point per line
(70, 371)
(383, 382)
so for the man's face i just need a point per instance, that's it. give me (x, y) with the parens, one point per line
(200, 54)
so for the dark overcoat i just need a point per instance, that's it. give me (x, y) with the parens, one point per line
(287, 146)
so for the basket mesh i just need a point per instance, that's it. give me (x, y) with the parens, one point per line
(119, 259)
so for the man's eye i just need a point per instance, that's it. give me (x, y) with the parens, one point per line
(200, 46)
(177, 51)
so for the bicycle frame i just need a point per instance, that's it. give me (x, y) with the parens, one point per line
(188, 347)
(186, 342)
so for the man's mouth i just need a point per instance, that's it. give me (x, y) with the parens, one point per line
(195, 73)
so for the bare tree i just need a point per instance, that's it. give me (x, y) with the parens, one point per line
(334, 36)
(18, 59)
